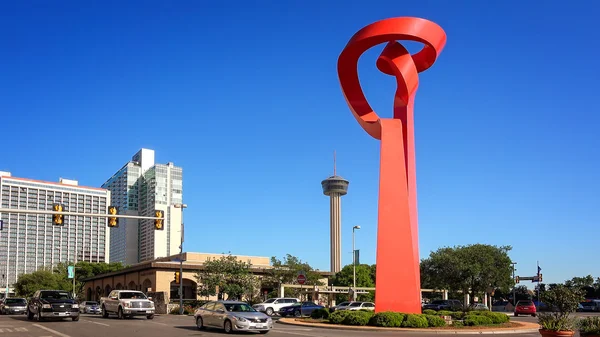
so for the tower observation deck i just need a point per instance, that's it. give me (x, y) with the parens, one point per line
(334, 187)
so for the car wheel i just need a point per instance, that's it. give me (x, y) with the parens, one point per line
(199, 323)
(264, 332)
(150, 316)
(227, 327)
(76, 319)
(269, 311)
(120, 313)
(104, 312)
(516, 315)
(297, 313)
(39, 316)
(532, 315)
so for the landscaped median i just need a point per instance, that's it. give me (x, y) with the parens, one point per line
(443, 321)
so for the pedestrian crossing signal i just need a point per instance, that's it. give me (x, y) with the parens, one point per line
(113, 222)
(58, 219)
(159, 222)
(517, 279)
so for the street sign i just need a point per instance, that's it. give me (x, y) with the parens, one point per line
(71, 271)
(301, 279)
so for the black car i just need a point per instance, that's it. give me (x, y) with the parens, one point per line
(450, 305)
(13, 306)
(52, 304)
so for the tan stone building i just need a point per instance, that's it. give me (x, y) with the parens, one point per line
(159, 276)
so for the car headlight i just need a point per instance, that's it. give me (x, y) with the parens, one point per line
(241, 319)
(127, 304)
(46, 306)
(269, 320)
(151, 304)
(75, 306)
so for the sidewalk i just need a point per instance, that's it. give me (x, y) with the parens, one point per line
(524, 327)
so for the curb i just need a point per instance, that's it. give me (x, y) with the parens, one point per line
(290, 321)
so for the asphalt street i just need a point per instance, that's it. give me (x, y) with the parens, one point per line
(169, 325)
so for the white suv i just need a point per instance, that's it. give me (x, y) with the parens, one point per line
(273, 305)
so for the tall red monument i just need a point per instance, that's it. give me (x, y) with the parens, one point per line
(398, 284)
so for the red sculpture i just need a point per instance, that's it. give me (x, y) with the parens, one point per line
(398, 283)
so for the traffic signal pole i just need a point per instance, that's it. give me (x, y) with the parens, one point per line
(92, 215)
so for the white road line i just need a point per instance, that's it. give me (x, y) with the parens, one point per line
(160, 323)
(298, 333)
(96, 323)
(50, 330)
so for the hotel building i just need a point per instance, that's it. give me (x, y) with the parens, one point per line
(29, 242)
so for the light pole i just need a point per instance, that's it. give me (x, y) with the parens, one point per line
(354, 264)
(182, 206)
(515, 286)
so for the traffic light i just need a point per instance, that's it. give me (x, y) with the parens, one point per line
(540, 278)
(58, 219)
(158, 222)
(177, 277)
(517, 279)
(113, 222)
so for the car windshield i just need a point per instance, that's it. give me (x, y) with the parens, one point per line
(15, 301)
(525, 303)
(91, 303)
(438, 302)
(270, 300)
(131, 295)
(355, 304)
(587, 304)
(343, 304)
(238, 307)
(55, 295)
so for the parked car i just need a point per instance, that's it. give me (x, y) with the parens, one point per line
(273, 305)
(89, 307)
(299, 309)
(232, 316)
(591, 305)
(52, 304)
(360, 306)
(451, 305)
(502, 306)
(478, 307)
(525, 307)
(336, 307)
(13, 306)
(127, 303)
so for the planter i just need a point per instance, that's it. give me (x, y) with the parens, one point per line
(550, 333)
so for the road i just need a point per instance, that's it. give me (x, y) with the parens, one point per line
(167, 325)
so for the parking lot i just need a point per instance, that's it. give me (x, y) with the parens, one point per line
(168, 325)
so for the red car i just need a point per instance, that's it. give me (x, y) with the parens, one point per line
(525, 308)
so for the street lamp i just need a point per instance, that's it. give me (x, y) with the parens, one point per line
(182, 206)
(515, 286)
(354, 264)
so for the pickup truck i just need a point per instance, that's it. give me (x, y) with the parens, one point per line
(127, 303)
(52, 304)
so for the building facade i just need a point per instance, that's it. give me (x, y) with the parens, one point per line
(139, 188)
(29, 242)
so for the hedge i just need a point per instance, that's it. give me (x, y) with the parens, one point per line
(390, 319)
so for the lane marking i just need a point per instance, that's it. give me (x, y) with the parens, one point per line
(50, 330)
(298, 333)
(160, 323)
(96, 323)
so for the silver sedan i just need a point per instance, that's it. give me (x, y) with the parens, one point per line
(232, 316)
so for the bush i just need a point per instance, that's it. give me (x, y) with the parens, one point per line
(496, 317)
(387, 319)
(474, 320)
(322, 313)
(429, 312)
(187, 310)
(435, 321)
(357, 318)
(337, 317)
(415, 321)
(444, 313)
(458, 324)
(458, 315)
(589, 326)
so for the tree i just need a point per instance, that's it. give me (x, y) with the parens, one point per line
(585, 283)
(41, 279)
(287, 270)
(472, 269)
(227, 275)
(365, 277)
(84, 270)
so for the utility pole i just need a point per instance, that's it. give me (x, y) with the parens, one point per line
(354, 265)
(182, 206)
(515, 286)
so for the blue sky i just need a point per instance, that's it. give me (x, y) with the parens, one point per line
(245, 97)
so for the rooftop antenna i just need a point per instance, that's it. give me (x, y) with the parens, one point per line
(334, 163)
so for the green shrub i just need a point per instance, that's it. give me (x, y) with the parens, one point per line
(429, 312)
(458, 324)
(444, 313)
(322, 313)
(458, 315)
(338, 316)
(387, 319)
(474, 320)
(357, 317)
(434, 321)
(187, 310)
(496, 317)
(415, 321)
(589, 326)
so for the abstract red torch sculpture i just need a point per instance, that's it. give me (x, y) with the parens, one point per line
(398, 286)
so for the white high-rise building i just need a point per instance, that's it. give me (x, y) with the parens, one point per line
(139, 188)
(29, 242)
